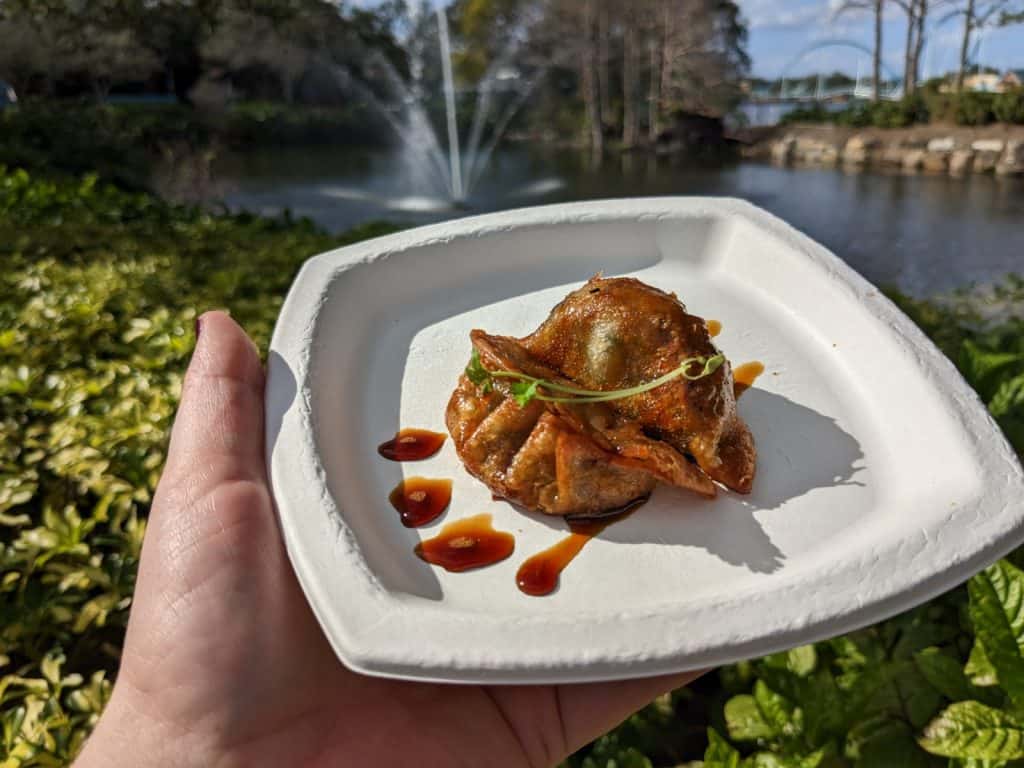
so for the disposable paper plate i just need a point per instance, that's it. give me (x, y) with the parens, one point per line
(882, 481)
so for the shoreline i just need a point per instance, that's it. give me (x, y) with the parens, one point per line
(938, 149)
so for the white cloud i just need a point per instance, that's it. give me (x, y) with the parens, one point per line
(769, 14)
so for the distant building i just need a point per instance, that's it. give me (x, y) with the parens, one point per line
(1012, 78)
(985, 82)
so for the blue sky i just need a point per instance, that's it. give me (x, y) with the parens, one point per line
(781, 29)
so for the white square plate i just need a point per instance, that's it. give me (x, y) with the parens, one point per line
(881, 481)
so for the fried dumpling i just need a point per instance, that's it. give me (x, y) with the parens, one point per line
(619, 332)
(579, 458)
(532, 457)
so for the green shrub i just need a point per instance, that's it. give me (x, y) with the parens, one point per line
(941, 106)
(813, 114)
(120, 142)
(899, 114)
(75, 138)
(98, 295)
(927, 105)
(1009, 107)
(975, 108)
(942, 681)
(887, 114)
(861, 114)
(967, 108)
(857, 115)
(259, 123)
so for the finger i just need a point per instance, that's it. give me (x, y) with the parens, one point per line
(211, 518)
(591, 709)
(218, 432)
(212, 511)
(212, 565)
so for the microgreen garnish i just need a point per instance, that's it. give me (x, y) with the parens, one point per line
(524, 391)
(528, 388)
(477, 374)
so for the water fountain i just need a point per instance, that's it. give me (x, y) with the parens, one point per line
(445, 179)
(892, 92)
(454, 158)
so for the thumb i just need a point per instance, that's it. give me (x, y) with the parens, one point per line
(218, 432)
(212, 518)
(213, 573)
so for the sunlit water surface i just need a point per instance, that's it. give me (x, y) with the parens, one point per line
(924, 234)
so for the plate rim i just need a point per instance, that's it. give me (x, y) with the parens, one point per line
(382, 612)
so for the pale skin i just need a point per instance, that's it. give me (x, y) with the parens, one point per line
(225, 665)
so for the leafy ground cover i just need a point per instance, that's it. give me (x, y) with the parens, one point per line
(98, 295)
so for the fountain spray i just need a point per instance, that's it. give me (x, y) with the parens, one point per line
(454, 159)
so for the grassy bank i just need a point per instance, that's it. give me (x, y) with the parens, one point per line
(97, 302)
(929, 105)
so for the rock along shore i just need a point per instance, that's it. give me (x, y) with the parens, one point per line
(954, 150)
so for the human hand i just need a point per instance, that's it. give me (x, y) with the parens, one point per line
(224, 663)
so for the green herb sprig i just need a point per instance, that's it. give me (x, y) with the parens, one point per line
(528, 388)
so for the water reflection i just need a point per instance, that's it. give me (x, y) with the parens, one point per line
(925, 234)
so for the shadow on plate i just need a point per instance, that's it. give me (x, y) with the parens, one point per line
(799, 450)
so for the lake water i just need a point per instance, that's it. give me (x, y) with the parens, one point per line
(924, 234)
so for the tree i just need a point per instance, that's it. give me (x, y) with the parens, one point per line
(916, 12)
(565, 39)
(605, 60)
(969, 25)
(876, 58)
(106, 57)
(909, 7)
(89, 40)
(174, 32)
(922, 15)
(24, 52)
(589, 76)
(877, 7)
(604, 85)
(703, 57)
(656, 75)
(277, 41)
(484, 29)
(630, 68)
(271, 45)
(978, 14)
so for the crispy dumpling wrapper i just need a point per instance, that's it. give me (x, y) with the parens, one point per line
(591, 458)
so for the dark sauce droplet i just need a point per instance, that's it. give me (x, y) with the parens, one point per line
(412, 445)
(539, 574)
(420, 500)
(744, 376)
(468, 543)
